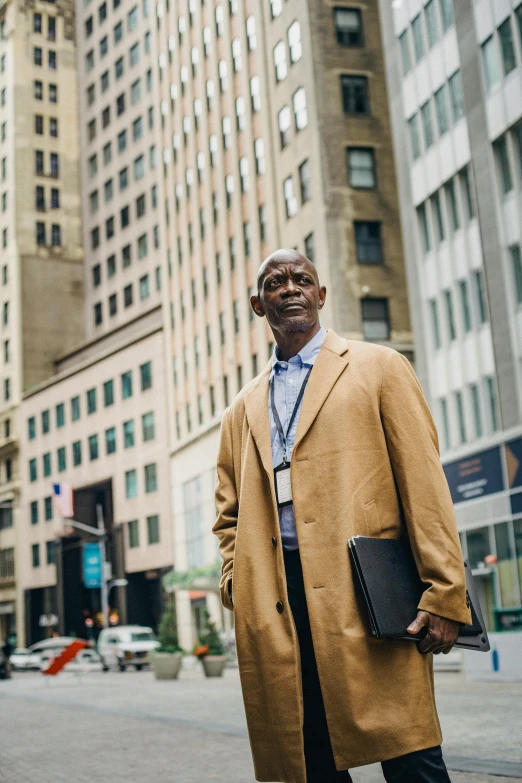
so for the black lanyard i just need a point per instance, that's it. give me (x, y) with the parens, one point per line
(276, 415)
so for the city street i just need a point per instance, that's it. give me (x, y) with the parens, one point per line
(126, 728)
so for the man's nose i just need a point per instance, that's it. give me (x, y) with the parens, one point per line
(290, 288)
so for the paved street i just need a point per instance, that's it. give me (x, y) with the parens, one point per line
(128, 728)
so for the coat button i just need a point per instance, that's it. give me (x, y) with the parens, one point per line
(280, 608)
(274, 541)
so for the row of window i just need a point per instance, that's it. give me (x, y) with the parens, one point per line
(38, 91)
(295, 51)
(135, 97)
(121, 145)
(38, 27)
(117, 34)
(38, 58)
(480, 400)
(50, 549)
(132, 18)
(144, 287)
(425, 28)
(446, 115)
(502, 42)
(111, 271)
(109, 398)
(110, 227)
(472, 306)
(40, 198)
(153, 531)
(119, 70)
(39, 126)
(54, 164)
(43, 238)
(129, 440)
(446, 207)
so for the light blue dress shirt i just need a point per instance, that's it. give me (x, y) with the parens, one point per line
(288, 378)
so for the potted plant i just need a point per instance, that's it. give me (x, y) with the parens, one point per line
(210, 650)
(166, 659)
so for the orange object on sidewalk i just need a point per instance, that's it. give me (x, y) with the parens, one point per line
(65, 657)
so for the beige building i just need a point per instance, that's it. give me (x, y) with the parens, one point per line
(100, 424)
(41, 254)
(275, 131)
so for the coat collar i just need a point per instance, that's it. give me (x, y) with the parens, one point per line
(328, 366)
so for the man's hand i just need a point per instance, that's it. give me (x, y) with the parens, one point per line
(441, 635)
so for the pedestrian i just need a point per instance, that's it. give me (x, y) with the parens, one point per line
(321, 693)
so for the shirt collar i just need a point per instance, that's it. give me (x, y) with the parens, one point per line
(306, 356)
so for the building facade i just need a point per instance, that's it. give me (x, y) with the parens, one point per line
(275, 132)
(454, 77)
(41, 250)
(98, 423)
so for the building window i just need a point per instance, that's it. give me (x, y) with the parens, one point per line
(55, 198)
(91, 401)
(62, 459)
(53, 93)
(418, 38)
(427, 124)
(309, 247)
(33, 470)
(40, 233)
(48, 508)
(151, 481)
(134, 535)
(144, 287)
(361, 167)
(305, 181)
(34, 512)
(492, 399)
(35, 553)
(437, 216)
(446, 10)
(480, 297)
(153, 533)
(300, 111)
(441, 111)
(77, 453)
(516, 262)
(97, 314)
(490, 63)
(60, 415)
(255, 93)
(375, 319)
(285, 121)
(435, 323)
(110, 440)
(450, 317)
(466, 193)
(75, 409)
(56, 235)
(465, 306)
(148, 430)
(46, 422)
(432, 23)
(355, 94)
(456, 96)
(38, 90)
(280, 61)
(507, 47)
(146, 376)
(413, 126)
(459, 404)
(46, 461)
(368, 242)
(348, 26)
(131, 484)
(93, 447)
(37, 55)
(126, 385)
(289, 195)
(451, 201)
(38, 124)
(504, 168)
(250, 26)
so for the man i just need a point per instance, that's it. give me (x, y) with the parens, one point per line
(333, 439)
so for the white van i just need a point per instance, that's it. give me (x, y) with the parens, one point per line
(126, 645)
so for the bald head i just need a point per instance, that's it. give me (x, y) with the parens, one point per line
(285, 255)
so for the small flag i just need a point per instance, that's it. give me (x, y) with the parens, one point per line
(63, 498)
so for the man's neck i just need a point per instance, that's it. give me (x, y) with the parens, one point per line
(290, 343)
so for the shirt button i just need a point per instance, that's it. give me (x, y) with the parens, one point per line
(274, 541)
(280, 608)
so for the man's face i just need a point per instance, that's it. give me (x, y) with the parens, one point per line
(289, 295)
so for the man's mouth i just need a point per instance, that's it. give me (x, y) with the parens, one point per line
(292, 306)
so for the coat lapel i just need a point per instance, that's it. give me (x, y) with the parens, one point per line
(330, 363)
(256, 407)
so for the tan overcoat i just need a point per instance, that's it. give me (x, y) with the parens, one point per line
(365, 462)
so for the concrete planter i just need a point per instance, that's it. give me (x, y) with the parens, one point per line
(214, 665)
(165, 666)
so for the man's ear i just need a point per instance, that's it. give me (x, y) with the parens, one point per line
(257, 307)
(322, 297)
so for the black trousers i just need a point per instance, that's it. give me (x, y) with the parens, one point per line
(423, 766)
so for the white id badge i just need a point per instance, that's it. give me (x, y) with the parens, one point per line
(283, 485)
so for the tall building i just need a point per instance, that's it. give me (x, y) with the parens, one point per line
(454, 76)
(100, 422)
(41, 277)
(275, 132)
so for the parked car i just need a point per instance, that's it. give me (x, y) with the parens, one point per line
(23, 660)
(49, 649)
(126, 645)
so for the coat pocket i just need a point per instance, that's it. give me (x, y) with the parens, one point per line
(371, 516)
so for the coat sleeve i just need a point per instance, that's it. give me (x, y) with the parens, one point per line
(412, 442)
(227, 507)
